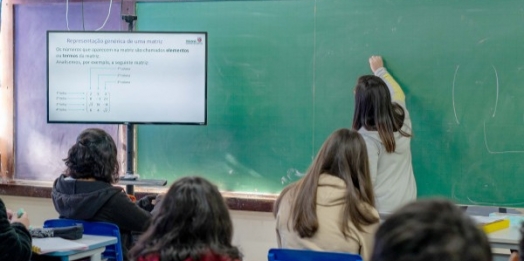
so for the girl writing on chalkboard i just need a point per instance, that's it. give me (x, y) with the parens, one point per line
(382, 118)
(192, 224)
(332, 207)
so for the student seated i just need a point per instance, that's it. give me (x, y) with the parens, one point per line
(430, 230)
(332, 207)
(85, 190)
(192, 224)
(15, 240)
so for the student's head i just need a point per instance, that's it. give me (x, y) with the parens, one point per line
(430, 230)
(193, 220)
(93, 156)
(343, 155)
(519, 256)
(374, 110)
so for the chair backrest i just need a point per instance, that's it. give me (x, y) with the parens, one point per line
(280, 254)
(112, 252)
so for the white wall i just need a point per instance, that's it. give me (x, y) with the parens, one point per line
(254, 231)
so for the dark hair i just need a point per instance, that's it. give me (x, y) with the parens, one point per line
(193, 220)
(430, 230)
(93, 156)
(374, 110)
(343, 155)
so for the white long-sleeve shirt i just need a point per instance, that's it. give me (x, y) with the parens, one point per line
(391, 173)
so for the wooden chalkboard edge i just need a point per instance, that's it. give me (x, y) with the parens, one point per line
(250, 202)
(26, 188)
(235, 201)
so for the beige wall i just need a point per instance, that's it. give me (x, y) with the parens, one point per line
(254, 231)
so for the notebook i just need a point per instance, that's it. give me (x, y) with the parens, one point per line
(53, 244)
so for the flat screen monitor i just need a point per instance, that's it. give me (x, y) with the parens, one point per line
(127, 77)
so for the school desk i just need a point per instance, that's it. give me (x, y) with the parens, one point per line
(96, 245)
(505, 239)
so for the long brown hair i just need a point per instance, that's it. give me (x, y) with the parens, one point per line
(193, 220)
(343, 155)
(374, 110)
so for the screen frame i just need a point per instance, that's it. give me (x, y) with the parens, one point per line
(203, 123)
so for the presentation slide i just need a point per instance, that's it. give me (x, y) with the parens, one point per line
(127, 77)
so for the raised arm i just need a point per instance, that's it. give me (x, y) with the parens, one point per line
(377, 66)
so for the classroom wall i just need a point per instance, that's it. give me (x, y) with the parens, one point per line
(32, 21)
(254, 232)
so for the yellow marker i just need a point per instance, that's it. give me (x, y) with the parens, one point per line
(494, 226)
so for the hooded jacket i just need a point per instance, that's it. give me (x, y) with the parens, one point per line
(99, 201)
(330, 201)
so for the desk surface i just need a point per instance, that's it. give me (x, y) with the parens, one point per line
(509, 235)
(92, 242)
(507, 238)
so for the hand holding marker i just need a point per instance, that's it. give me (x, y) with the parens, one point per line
(20, 213)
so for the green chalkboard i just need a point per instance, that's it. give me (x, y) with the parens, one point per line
(281, 75)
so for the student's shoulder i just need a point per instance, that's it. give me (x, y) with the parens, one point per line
(119, 196)
(371, 228)
(286, 196)
(284, 201)
(370, 209)
(121, 205)
(370, 137)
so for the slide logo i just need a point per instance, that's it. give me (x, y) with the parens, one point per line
(197, 41)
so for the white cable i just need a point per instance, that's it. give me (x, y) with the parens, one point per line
(107, 18)
(67, 13)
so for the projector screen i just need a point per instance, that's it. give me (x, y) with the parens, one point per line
(127, 77)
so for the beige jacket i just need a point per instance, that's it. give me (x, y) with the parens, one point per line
(330, 203)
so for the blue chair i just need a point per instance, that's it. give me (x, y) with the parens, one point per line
(280, 254)
(112, 252)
